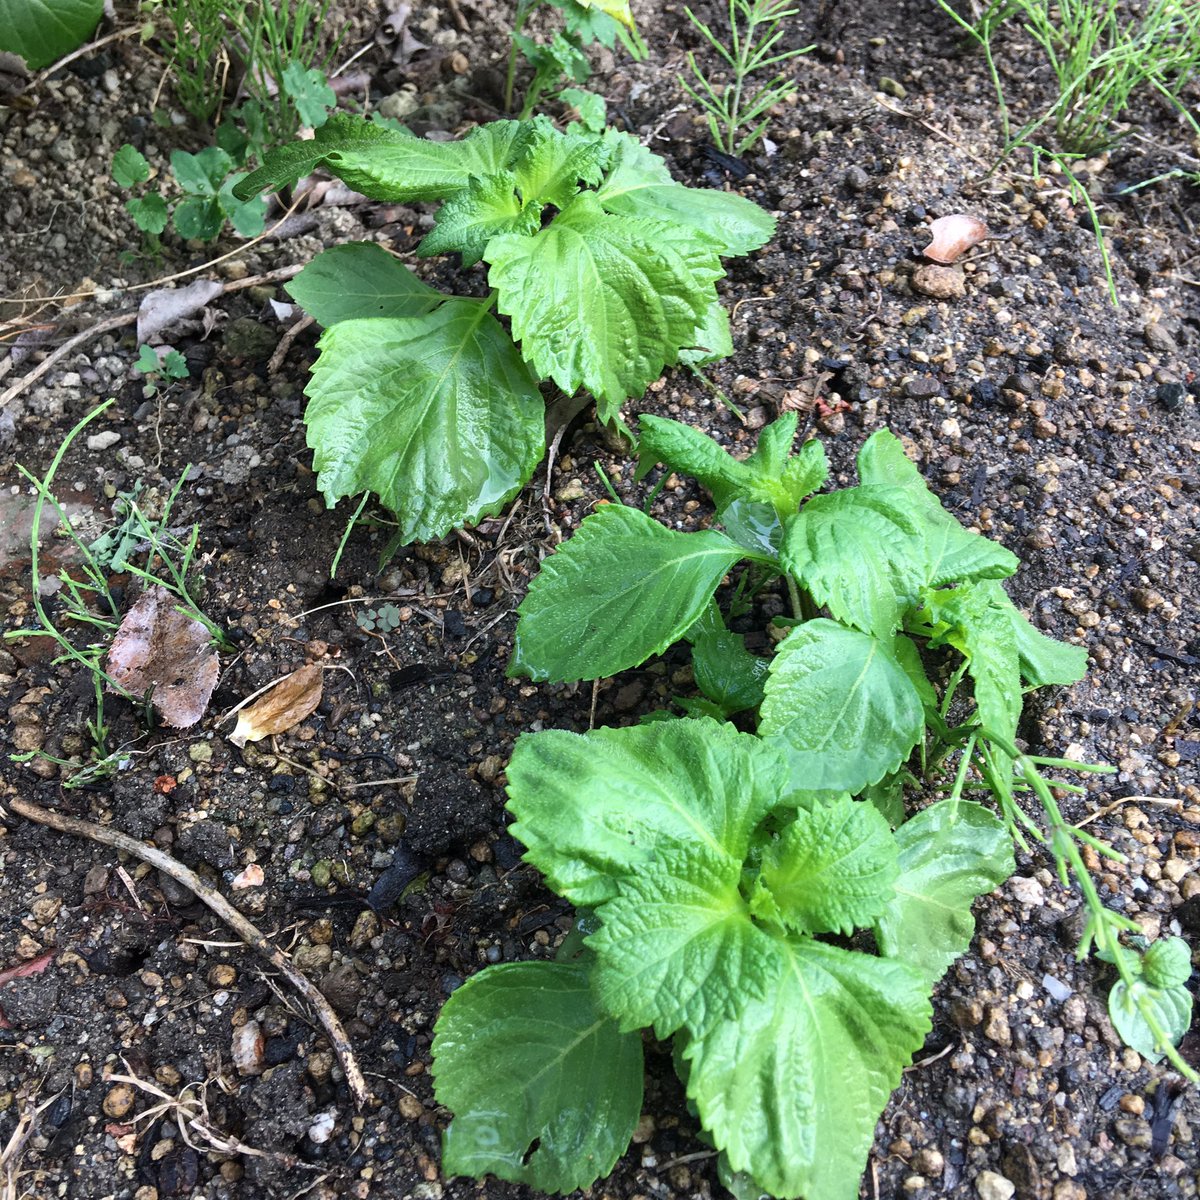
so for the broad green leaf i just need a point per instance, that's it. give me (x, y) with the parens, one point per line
(791, 1086)
(360, 279)
(1167, 963)
(387, 164)
(841, 706)
(727, 673)
(858, 554)
(909, 657)
(310, 93)
(129, 167)
(1171, 1008)
(597, 302)
(437, 415)
(474, 215)
(621, 590)
(42, 31)
(639, 185)
(617, 9)
(201, 174)
(952, 554)
(149, 212)
(544, 1088)
(597, 807)
(832, 869)
(887, 796)
(676, 945)
(949, 854)
(553, 164)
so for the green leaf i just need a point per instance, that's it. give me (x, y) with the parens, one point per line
(676, 945)
(1167, 963)
(842, 707)
(310, 92)
(711, 339)
(982, 629)
(639, 185)
(950, 853)
(952, 554)
(596, 301)
(832, 868)
(436, 415)
(360, 279)
(147, 361)
(544, 1088)
(473, 216)
(592, 109)
(1170, 1007)
(129, 167)
(727, 673)
(858, 553)
(386, 164)
(42, 31)
(149, 212)
(792, 1084)
(198, 217)
(553, 59)
(622, 589)
(771, 475)
(552, 164)
(887, 796)
(598, 807)
(174, 365)
(1044, 660)
(248, 217)
(201, 174)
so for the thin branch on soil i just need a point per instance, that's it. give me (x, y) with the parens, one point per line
(14, 1148)
(230, 915)
(1158, 801)
(285, 343)
(108, 39)
(123, 319)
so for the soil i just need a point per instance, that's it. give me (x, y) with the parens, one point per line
(1043, 415)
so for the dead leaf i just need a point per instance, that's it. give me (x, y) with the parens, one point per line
(396, 37)
(160, 650)
(953, 236)
(292, 699)
(164, 306)
(252, 876)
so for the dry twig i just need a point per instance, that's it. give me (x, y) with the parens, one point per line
(230, 915)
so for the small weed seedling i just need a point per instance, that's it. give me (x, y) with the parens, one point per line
(383, 619)
(720, 876)
(563, 60)
(605, 265)
(737, 109)
(171, 366)
(87, 602)
(281, 74)
(206, 182)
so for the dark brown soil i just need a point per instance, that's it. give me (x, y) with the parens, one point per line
(1056, 423)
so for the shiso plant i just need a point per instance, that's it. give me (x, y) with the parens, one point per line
(767, 900)
(605, 267)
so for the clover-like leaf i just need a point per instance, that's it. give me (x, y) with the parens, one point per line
(832, 869)
(129, 167)
(437, 415)
(950, 853)
(544, 1087)
(841, 706)
(621, 590)
(1170, 1008)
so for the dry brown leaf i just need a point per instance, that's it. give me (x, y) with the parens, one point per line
(953, 236)
(291, 700)
(168, 654)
